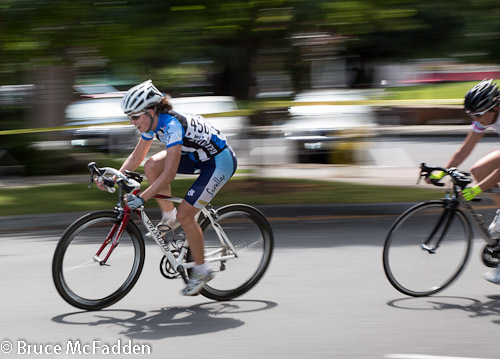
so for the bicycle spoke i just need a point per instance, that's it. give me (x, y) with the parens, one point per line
(96, 281)
(83, 265)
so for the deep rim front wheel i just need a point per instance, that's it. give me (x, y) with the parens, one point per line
(415, 262)
(82, 281)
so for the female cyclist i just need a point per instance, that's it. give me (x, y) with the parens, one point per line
(193, 145)
(482, 105)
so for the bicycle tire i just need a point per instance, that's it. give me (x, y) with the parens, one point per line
(241, 223)
(406, 236)
(87, 235)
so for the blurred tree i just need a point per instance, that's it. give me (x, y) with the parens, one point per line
(229, 47)
(220, 42)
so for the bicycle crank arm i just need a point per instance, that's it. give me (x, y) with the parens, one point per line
(180, 269)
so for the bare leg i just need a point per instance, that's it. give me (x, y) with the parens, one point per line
(194, 234)
(487, 170)
(153, 169)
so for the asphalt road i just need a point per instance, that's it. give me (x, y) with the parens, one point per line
(324, 296)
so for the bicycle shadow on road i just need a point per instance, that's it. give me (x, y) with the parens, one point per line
(475, 307)
(168, 322)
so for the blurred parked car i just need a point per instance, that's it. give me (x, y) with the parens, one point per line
(326, 133)
(105, 125)
(231, 126)
(107, 129)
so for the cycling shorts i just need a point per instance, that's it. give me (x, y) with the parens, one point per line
(214, 173)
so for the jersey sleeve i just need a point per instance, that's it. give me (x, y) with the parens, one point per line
(148, 136)
(175, 133)
(477, 127)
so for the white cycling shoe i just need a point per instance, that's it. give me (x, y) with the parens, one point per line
(196, 282)
(493, 276)
(165, 225)
(494, 227)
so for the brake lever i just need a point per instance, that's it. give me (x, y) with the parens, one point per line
(422, 174)
(91, 178)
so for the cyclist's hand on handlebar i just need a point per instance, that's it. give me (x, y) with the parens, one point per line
(134, 202)
(105, 184)
(470, 193)
(435, 177)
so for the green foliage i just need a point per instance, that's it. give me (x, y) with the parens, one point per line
(136, 39)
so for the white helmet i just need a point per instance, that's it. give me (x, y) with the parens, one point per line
(140, 97)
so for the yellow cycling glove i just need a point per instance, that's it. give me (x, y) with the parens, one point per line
(437, 175)
(470, 193)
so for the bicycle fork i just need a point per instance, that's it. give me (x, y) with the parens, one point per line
(113, 237)
(445, 220)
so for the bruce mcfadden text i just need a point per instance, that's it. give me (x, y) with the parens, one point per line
(77, 347)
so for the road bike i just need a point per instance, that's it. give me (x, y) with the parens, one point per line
(99, 257)
(428, 246)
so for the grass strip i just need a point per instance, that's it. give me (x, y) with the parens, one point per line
(453, 90)
(77, 197)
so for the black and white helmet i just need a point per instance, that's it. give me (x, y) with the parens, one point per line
(141, 97)
(483, 96)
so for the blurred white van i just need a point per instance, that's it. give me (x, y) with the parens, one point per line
(108, 129)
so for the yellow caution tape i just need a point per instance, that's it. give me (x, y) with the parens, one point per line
(58, 128)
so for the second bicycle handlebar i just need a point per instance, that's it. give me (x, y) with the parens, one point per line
(459, 178)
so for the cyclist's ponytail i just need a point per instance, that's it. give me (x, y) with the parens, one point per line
(164, 105)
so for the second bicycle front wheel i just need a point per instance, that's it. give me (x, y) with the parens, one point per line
(416, 261)
(251, 235)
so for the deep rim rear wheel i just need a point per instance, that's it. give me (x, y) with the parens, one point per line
(252, 236)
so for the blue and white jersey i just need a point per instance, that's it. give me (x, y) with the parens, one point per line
(194, 133)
